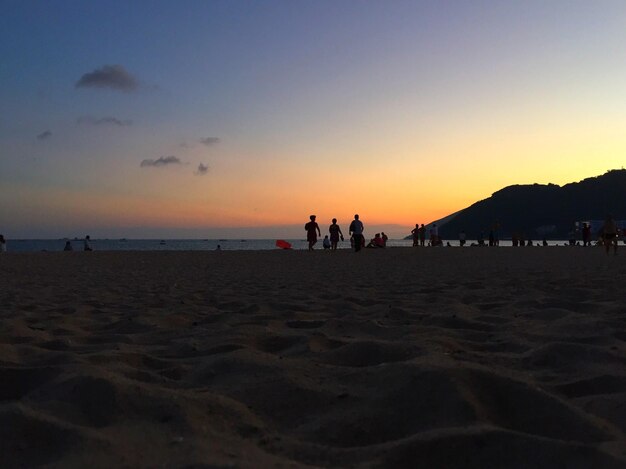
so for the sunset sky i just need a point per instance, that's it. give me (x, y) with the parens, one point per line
(241, 118)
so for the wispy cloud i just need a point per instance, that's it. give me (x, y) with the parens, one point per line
(114, 121)
(202, 170)
(109, 76)
(209, 141)
(44, 135)
(160, 162)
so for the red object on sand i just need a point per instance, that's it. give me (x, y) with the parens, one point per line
(281, 243)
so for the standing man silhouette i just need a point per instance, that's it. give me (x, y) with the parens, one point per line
(356, 230)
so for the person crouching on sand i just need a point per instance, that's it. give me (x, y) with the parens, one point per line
(376, 242)
(312, 231)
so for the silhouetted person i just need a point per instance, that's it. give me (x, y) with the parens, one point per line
(312, 230)
(544, 242)
(571, 237)
(462, 238)
(356, 230)
(434, 235)
(87, 244)
(481, 239)
(496, 233)
(326, 242)
(3, 244)
(422, 235)
(609, 234)
(416, 234)
(384, 237)
(376, 242)
(586, 234)
(68, 246)
(335, 234)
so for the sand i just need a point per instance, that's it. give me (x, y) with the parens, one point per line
(444, 357)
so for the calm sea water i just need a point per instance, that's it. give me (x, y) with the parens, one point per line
(33, 245)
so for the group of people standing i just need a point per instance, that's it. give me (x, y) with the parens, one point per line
(86, 245)
(355, 231)
(419, 235)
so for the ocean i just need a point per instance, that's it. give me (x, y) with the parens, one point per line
(36, 245)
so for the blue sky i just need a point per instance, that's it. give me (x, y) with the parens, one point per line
(404, 111)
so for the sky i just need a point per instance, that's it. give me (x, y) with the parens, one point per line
(215, 119)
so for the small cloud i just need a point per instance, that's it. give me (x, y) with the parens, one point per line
(109, 76)
(209, 141)
(44, 135)
(114, 121)
(202, 170)
(160, 162)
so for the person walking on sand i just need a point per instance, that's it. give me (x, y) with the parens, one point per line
(87, 244)
(609, 234)
(416, 234)
(335, 234)
(312, 231)
(3, 244)
(356, 230)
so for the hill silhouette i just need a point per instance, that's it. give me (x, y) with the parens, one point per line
(539, 210)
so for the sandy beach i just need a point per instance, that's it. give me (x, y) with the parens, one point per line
(428, 357)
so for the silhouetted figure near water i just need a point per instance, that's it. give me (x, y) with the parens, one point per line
(335, 234)
(434, 235)
(384, 237)
(422, 235)
(586, 234)
(3, 244)
(68, 246)
(462, 238)
(312, 231)
(609, 234)
(87, 244)
(496, 233)
(481, 239)
(326, 242)
(376, 242)
(356, 231)
(416, 234)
